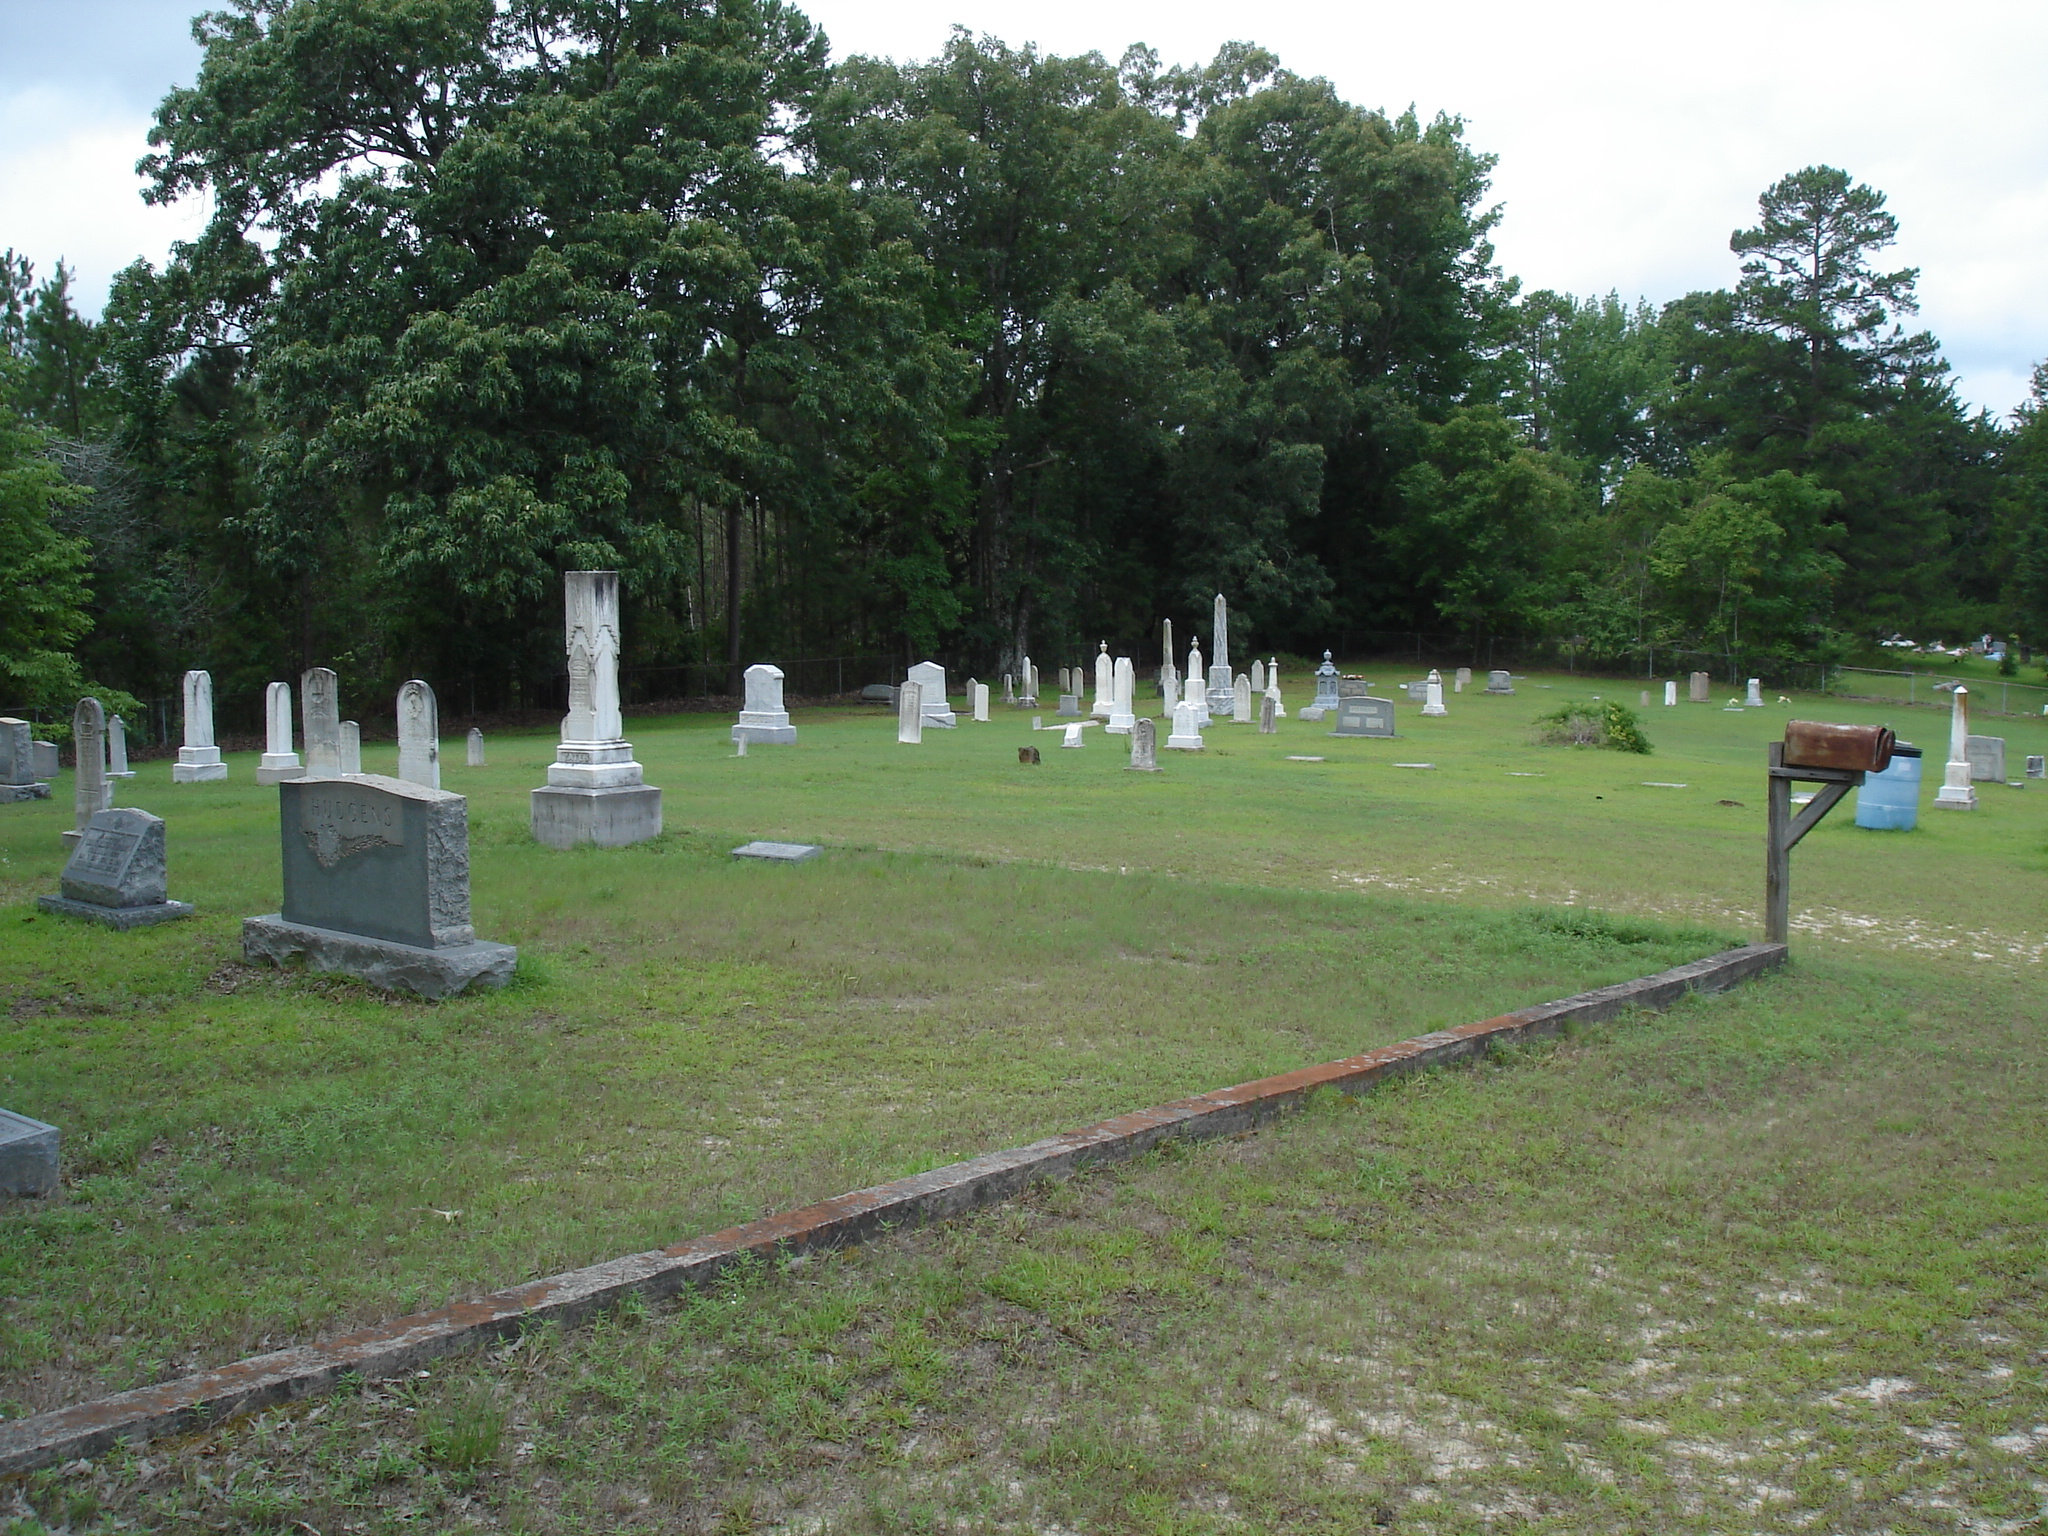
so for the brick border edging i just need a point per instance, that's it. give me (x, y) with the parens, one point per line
(403, 1344)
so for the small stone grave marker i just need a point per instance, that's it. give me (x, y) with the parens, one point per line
(475, 755)
(117, 749)
(2037, 767)
(1987, 759)
(1700, 687)
(764, 718)
(28, 1156)
(17, 763)
(279, 762)
(778, 853)
(1145, 746)
(1269, 715)
(115, 875)
(419, 735)
(349, 753)
(320, 708)
(1500, 681)
(43, 754)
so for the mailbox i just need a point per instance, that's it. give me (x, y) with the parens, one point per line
(1846, 748)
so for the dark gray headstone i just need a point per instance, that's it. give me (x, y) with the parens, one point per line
(28, 1155)
(1365, 717)
(115, 875)
(2037, 767)
(18, 763)
(1501, 681)
(376, 885)
(1418, 693)
(1353, 688)
(43, 760)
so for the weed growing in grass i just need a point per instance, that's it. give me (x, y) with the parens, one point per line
(463, 1429)
(1612, 725)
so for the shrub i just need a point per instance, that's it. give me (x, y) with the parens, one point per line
(1612, 725)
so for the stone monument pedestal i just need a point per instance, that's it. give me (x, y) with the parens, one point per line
(431, 973)
(595, 794)
(764, 719)
(198, 765)
(115, 875)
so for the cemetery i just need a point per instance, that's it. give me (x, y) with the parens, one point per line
(270, 1132)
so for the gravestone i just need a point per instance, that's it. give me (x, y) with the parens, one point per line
(1258, 676)
(910, 714)
(1221, 679)
(1144, 747)
(595, 792)
(1327, 682)
(1956, 792)
(1500, 681)
(930, 678)
(1462, 681)
(1351, 688)
(199, 759)
(2037, 767)
(778, 853)
(474, 755)
(91, 793)
(1670, 695)
(1030, 696)
(1123, 703)
(17, 763)
(1169, 685)
(1643, 699)
(1076, 734)
(1187, 727)
(1070, 704)
(43, 755)
(977, 695)
(1698, 688)
(117, 749)
(1269, 715)
(1009, 688)
(1365, 717)
(279, 762)
(1241, 700)
(879, 693)
(764, 718)
(419, 735)
(1755, 697)
(1987, 759)
(28, 1156)
(1418, 692)
(1433, 694)
(376, 886)
(350, 750)
(115, 875)
(320, 710)
(1194, 693)
(1105, 683)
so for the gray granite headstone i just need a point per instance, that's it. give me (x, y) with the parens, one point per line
(376, 885)
(115, 875)
(28, 1156)
(2037, 767)
(1351, 688)
(43, 754)
(1269, 711)
(91, 791)
(1070, 706)
(1500, 680)
(18, 763)
(1417, 692)
(1365, 717)
(1987, 759)
(1699, 688)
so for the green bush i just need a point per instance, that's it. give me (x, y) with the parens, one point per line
(1611, 725)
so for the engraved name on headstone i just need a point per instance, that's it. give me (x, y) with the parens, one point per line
(1365, 717)
(115, 875)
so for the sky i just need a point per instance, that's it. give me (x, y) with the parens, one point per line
(1631, 138)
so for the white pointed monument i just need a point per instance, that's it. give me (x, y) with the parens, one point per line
(1273, 685)
(419, 735)
(199, 759)
(1105, 684)
(1258, 676)
(1123, 703)
(92, 793)
(764, 718)
(1220, 679)
(1195, 685)
(595, 792)
(1956, 792)
(930, 678)
(279, 762)
(1170, 692)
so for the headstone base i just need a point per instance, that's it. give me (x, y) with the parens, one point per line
(609, 818)
(122, 918)
(1183, 743)
(1312, 712)
(12, 793)
(1070, 707)
(28, 1155)
(279, 775)
(778, 735)
(198, 765)
(431, 973)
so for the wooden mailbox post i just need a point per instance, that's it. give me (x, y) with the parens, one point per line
(1836, 757)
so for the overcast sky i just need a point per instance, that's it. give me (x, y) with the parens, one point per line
(1632, 137)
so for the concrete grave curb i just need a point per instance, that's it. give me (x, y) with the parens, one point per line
(406, 1343)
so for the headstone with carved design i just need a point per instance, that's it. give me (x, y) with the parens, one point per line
(115, 875)
(595, 792)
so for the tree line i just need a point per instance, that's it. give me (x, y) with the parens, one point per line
(990, 354)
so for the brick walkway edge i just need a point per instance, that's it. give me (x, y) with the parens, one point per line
(404, 1344)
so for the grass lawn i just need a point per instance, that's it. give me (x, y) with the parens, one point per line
(1516, 1294)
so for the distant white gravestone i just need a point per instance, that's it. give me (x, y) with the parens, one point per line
(279, 762)
(764, 718)
(117, 749)
(419, 735)
(910, 714)
(978, 697)
(1241, 700)
(1670, 695)
(475, 754)
(1187, 729)
(1433, 694)
(199, 759)
(1123, 703)
(93, 793)
(350, 752)
(930, 678)
(320, 705)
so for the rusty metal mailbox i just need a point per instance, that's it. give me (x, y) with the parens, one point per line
(1844, 748)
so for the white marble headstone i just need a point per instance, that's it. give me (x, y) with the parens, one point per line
(419, 735)
(910, 714)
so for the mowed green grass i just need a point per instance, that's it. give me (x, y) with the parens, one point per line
(991, 952)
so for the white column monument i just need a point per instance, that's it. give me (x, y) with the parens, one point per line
(1220, 680)
(199, 759)
(595, 792)
(764, 718)
(279, 762)
(1956, 792)
(1105, 684)
(1123, 701)
(1755, 698)
(92, 792)
(1433, 694)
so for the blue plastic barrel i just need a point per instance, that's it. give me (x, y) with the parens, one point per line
(1890, 801)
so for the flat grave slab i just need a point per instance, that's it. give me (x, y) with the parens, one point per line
(778, 853)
